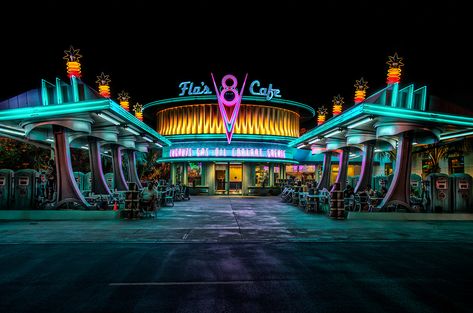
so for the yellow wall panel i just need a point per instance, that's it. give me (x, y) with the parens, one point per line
(206, 119)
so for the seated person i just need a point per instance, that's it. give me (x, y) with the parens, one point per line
(348, 192)
(149, 196)
(370, 191)
(382, 192)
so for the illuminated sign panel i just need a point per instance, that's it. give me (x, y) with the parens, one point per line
(269, 92)
(188, 88)
(229, 97)
(226, 152)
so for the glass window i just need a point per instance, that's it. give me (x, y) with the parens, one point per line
(276, 173)
(178, 174)
(304, 173)
(261, 175)
(194, 174)
(456, 165)
(388, 169)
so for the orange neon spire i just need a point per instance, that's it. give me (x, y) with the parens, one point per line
(124, 98)
(321, 112)
(337, 105)
(394, 71)
(73, 65)
(138, 108)
(360, 90)
(103, 81)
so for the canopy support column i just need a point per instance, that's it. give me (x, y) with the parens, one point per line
(366, 167)
(343, 167)
(67, 189)
(132, 172)
(118, 176)
(98, 185)
(399, 191)
(326, 169)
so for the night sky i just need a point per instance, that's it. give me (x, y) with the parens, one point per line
(310, 54)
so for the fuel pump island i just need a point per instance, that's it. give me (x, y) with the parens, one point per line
(62, 115)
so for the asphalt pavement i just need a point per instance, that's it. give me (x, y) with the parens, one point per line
(231, 254)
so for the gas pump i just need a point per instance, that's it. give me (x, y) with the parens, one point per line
(6, 188)
(80, 180)
(438, 191)
(41, 185)
(461, 192)
(416, 185)
(87, 181)
(25, 197)
(110, 181)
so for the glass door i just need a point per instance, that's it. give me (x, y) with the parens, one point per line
(235, 179)
(220, 178)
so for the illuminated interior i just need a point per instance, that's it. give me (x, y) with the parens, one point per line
(206, 119)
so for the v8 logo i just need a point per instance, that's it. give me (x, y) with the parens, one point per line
(229, 100)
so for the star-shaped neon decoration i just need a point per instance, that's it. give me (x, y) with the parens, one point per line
(103, 79)
(360, 90)
(361, 84)
(337, 105)
(395, 61)
(138, 108)
(322, 111)
(337, 100)
(123, 96)
(72, 54)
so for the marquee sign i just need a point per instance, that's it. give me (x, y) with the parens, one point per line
(250, 152)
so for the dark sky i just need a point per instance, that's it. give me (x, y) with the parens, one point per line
(310, 52)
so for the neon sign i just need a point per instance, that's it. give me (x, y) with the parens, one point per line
(222, 152)
(269, 92)
(188, 88)
(229, 100)
(73, 65)
(194, 90)
(394, 71)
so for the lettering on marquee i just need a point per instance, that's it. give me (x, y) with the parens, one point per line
(222, 152)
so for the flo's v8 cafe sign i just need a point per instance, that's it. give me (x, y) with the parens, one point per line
(189, 88)
(229, 95)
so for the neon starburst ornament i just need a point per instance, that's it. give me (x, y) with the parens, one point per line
(73, 65)
(103, 81)
(360, 90)
(138, 108)
(394, 71)
(337, 105)
(124, 98)
(321, 112)
(229, 100)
